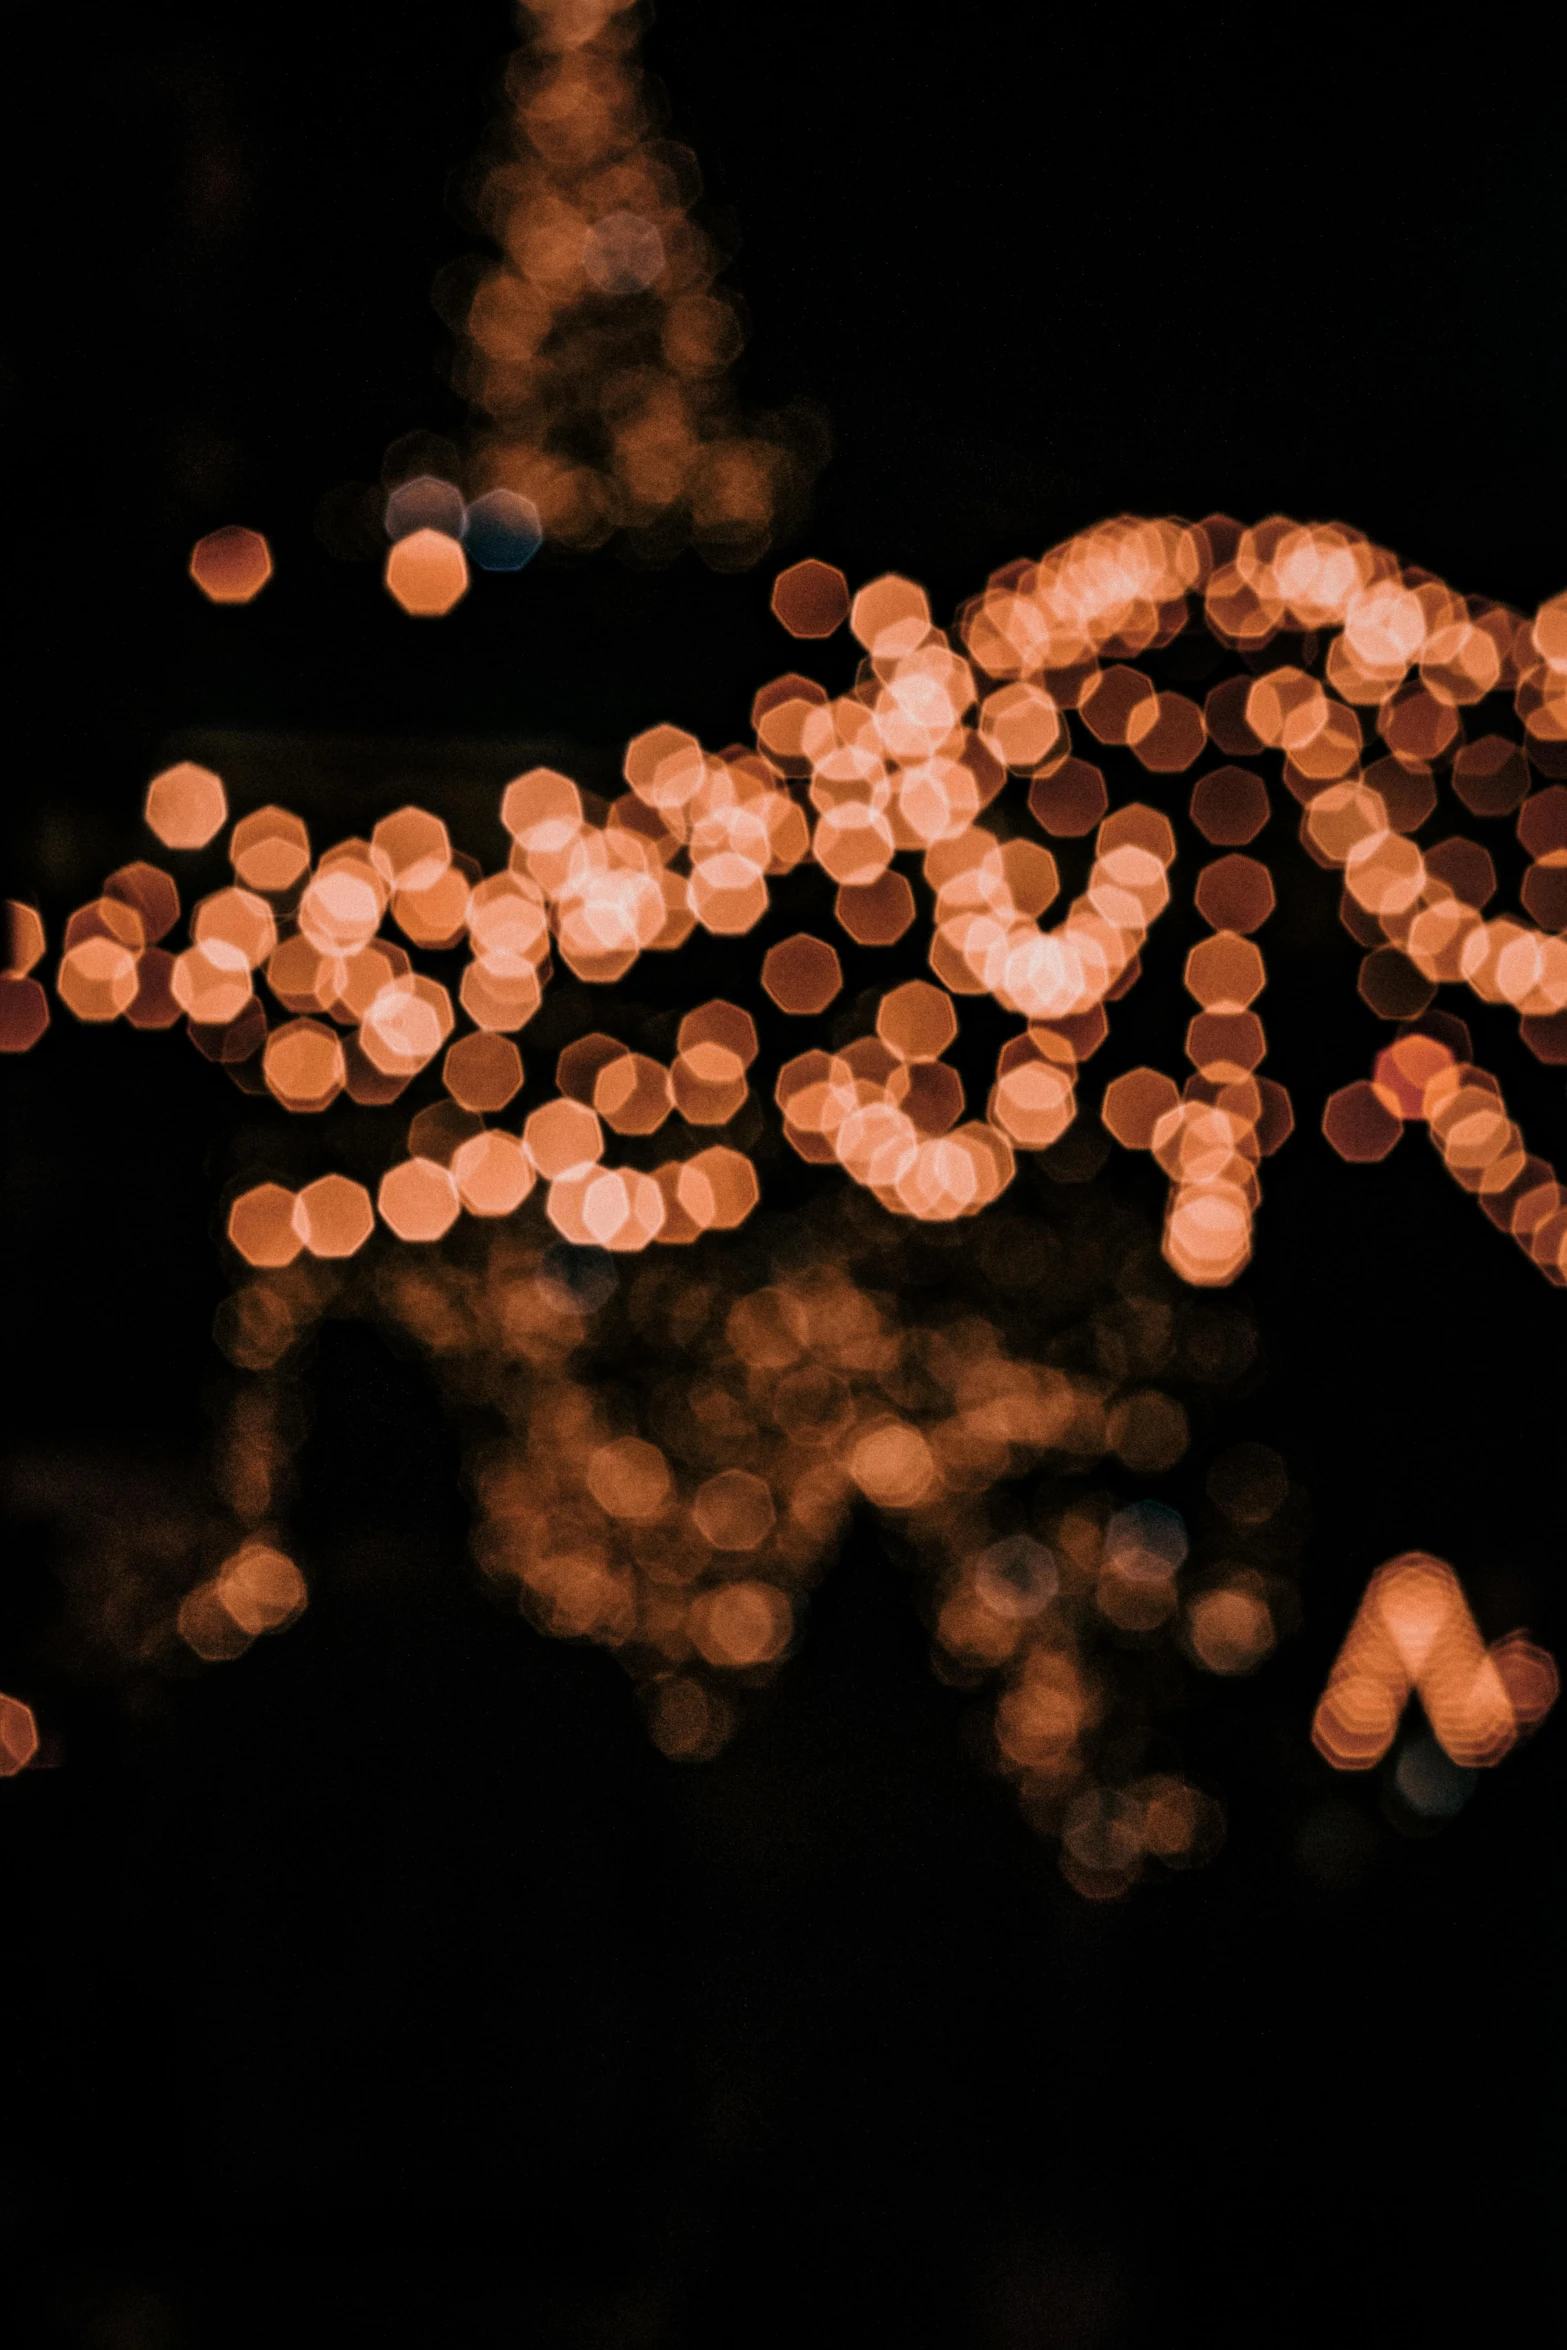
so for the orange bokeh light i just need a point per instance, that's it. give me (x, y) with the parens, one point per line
(741, 1624)
(1414, 1634)
(802, 974)
(152, 895)
(892, 1465)
(411, 850)
(493, 1174)
(97, 978)
(563, 1138)
(333, 1216)
(262, 1227)
(427, 574)
(1359, 1124)
(24, 939)
(1135, 1103)
(24, 1014)
(596, 345)
(634, 1515)
(269, 850)
(18, 1736)
(1235, 893)
(303, 1065)
(633, 1094)
(917, 1021)
(186, 806)
(734, 1510)
(482, 1071)
(260, 1588)
(875, 913)
(231, 566)
(1225, 972)
(811, 599)
(1070, 800)
(419, 1200)
(1229, 806)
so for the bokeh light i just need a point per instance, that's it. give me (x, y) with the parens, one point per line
(502, 531)
(231, 566)
(906, 769)
(186, 806)
(1415, 1635)
(596, 350)
(425, 502)
(427, 573)
(24, 1013)
(811, 599)
(692, 1423)
(18, 1736)
(333, 1216)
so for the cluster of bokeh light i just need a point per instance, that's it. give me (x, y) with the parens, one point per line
(666, 1453)
(435, 533)
(596, 348)
(904, 765)
(1414, 1634)
(807, 1393)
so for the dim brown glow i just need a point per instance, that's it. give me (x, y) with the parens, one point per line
(876, 913)
(1235, 893)
(483, 1071)
(1229, 806)
(1230, 1627)
(811, 599)
(802, 974)
(24, 1013)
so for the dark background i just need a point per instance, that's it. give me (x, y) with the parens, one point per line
(387, 1981)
